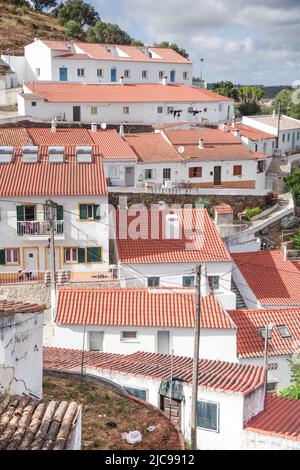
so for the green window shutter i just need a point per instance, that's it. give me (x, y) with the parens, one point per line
(20, 213)
(83, 211)
(81, 255)
(96, 212)
(2, 257)
(60, 213)
(94, 255)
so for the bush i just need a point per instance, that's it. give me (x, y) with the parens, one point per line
(202, 202)
(270, 200)
(251, 212)
(290, 222)
(296, 239)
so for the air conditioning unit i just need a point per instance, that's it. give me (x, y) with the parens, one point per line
(30, 154)
(84, 154)
(56, 154)
(6, 154)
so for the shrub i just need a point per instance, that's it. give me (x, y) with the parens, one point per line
(296, 239)
(270, 200)
(251, 212)
(290, 222)
(202, 202)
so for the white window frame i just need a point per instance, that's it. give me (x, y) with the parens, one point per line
(89, 340)
(212, 281)
(38, 72)
(126, 110)
(137, 388)
(129, 340)
(160, 109)
(100, 73)
(80, 72)
(90, 208)
(185, 75)
(170, 171)
(114, 172)
(153, 277)
(151, 173)
(161, 74)
(71, 260)
(11, 250)
(218, 416)
(145, 74)
(127, 73)
(94, 110)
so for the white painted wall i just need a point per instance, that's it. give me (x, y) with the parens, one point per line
(18, 66)
(281, 375)
(266, 146)
(245, 291)
(256, 441)
(21, 351)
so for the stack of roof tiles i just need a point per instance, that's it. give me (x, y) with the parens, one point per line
(10, 307)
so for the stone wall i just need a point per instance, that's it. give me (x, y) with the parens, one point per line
(238, 203)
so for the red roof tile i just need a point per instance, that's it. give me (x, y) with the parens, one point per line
(10, 307)
(223, 209)
(53, 179)
(112, 145)
(14, 137)
(249, 341)
(116, 93)
(214, 375)
(138, 307)
(152, 147)
(272, 280)
(205, 245)
(44, 136)
(280, 419)
(251, 133)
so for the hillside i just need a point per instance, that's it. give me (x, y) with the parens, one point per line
(20, 25)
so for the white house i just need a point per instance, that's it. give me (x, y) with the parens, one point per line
(134, 103)
(255, 139)
(72, 177)
(125, 321)
(76, 61)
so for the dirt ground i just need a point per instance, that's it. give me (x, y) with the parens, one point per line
(100, 406)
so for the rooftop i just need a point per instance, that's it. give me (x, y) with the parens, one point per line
(286, 122)
(280, 419)
(151, 147)
(16, 137)
(273, 281)
(198, 242)
(30, 424)
(138, 308)
(223, 209)
(213, 375)
(250, 342)
(117, 93)
(10, 307)
(251, 133)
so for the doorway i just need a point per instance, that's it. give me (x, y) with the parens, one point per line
(31, 259)
(113, 75)
(172, 76)
(63, 74)
(129, 176)
(163, 342)
(217, 175)
(76, 113)
(175, 409)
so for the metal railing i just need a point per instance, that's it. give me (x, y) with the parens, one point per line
(26, 276)
(38, 228)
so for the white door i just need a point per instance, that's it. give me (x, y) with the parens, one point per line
(31, 259)
(163, 342)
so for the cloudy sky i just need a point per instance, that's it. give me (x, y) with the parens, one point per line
(255, 42)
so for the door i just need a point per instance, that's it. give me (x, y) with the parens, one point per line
(63, 74)
(129, 176)
(76, 113)
(113, 75)
(217, 175)
(172, 76)
(175, 409)
(163, 342)
(31, 259)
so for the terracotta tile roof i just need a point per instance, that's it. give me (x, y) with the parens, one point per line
(251, 133)
(213, 152)
(273, 281)
(280, 419)
(116, 93)
(16, 137)
(56, 45)
(112, 145)
(223, 209)
(249, 341)
(205, 245)
(53, 179)
(192, 136)
(151, 147)
(213, 375)
(10, 307)
(137, 307)
(30, 424)
(44, 136)
(170, 125)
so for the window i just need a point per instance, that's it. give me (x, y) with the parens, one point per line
(26, 213)
(256, 147)
(128, 335)
(214, 282)
(33, 103)
(148, 174)
(170, 110)
(167, 173)
(153, 281)
(205, 110)
(125, 109)
(195, 172)
(12, 256)
(71, 255)
(288, 137)
(262, 333)
(137, 392)
(208, 415)
(185, 75)
(298, 135)
(114, 172)
(96, 340)
(144, 73)
(99, 73)
(94, 255)
(38, 72)
(89, 212)
(237, 170)
(188, 281)
(283, 137)
(271, 386)
(127, 73)
(94, 110)
(260, 166)
(284, 331)
(80, 72)
(160, 110)
(161, 74)
(220, 107)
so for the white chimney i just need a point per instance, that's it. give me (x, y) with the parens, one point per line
(237, 133)
(53, 125)
(164, 80)
(121, 131)
(94, 127)
(233, 120)
(172, 227)
(162, 205)
(201, 144)
(121, 80)
(225, 128)
(205, 289)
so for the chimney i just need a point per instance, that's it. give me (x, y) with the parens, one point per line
(233, 120)
(53, 125)
(205, 289)
(201, 144)
(94, 127)
(121, 131)
(172, 227)
(224, 128)
(121, 80)
(164, 80)
(237, 133)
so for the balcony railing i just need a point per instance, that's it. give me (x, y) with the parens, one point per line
(26, 276)
(35, 228)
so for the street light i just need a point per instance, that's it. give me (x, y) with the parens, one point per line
(201, 70)
(267, 332)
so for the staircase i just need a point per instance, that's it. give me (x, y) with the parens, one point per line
(240, 304)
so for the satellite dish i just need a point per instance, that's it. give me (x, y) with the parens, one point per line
(103, 125)
(181, 149)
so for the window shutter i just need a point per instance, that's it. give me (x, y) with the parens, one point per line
(191, 172)
(81, 255)
(2, 257)
(97, 212)
(20, 213)
(60, 213)
(83, 212)
(94, 255)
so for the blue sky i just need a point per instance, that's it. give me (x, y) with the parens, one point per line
(255, 42)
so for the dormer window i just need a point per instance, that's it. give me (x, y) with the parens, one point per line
(284, 331)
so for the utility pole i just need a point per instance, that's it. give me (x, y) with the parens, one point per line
(196, 359)
(51, 207)
(278, 124)
(268, 330)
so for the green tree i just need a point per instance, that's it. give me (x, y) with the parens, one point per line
(108, 33)
(74, 30)
(290, 103)
(79, 11)
(136, 42)
(226, 89)
(292, 182)
(249, 100)
(294, 390)
(41, 5)
(175, 47)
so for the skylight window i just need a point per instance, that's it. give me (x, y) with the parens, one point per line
(284, 331)
(262, 333)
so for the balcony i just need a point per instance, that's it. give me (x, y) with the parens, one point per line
(35, 229)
